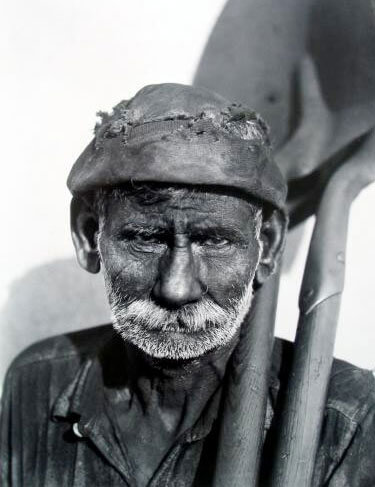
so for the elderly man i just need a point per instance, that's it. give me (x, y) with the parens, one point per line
(178, 202)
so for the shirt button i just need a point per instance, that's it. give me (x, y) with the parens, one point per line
(76, 431)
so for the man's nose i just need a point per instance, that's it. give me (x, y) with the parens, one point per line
(178, 281)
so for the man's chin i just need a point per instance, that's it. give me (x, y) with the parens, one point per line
(177, 345)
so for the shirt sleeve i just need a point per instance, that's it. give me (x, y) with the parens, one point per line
(357, 467)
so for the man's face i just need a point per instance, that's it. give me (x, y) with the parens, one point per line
(179, 271)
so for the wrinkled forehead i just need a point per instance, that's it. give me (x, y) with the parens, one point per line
(169, 206)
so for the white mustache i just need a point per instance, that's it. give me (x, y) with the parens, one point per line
(191, 318)
(200, 327)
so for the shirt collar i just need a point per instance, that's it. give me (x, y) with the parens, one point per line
(83, 400)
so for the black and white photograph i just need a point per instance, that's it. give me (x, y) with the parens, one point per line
(187, 292)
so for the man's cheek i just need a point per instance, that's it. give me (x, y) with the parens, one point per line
(227, 279)
(227, 287)
(133, 277)
(225, 292)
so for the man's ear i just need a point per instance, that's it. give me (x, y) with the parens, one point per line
(272, 236)
(84, 226)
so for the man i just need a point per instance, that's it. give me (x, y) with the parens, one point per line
(178, 202)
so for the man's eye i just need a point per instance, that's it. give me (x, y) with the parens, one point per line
(216, 242)
(147, 239)
(144, 241)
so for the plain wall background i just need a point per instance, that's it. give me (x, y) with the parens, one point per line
(61, 62)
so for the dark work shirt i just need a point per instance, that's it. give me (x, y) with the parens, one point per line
(59, 428)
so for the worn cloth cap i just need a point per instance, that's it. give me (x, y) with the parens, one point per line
(180, 134)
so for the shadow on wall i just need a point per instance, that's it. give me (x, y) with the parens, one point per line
(252, 53)
(54, 298)
(256, 46)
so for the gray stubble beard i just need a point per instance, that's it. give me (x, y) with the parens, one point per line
(186, 333)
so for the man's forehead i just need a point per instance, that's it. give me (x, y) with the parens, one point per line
(200, 208)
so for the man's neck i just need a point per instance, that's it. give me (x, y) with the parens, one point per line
(178, 390)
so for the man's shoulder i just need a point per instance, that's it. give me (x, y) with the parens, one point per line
(351, 391)
(67, 346)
